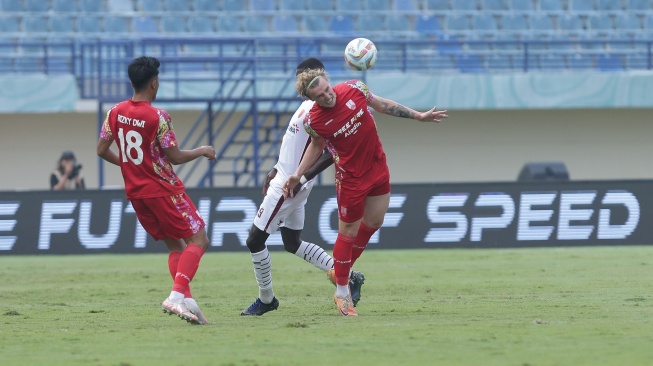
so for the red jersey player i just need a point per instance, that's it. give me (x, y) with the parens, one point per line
(342, 121)
(147, 148)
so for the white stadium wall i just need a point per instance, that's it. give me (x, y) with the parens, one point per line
(471, 146)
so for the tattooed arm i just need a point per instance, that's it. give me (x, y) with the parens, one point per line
(392, 108)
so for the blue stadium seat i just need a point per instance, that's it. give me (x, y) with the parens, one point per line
(523, 5)
(484, 22)
(437, 5)
(514, 22)
(342, 24)
(116, 24)
(233, 5)
(34, 24)
(6, 64)
(11, 5)
(397, 23)
(206, 5)
(292, 5)
(600, 22)
(261, 6)
(64, 6)
(120, 6)
(404, 5)
(144, 6)
(88, 24)
(494, 5)
(457, 22)
(229, 24)
(61, 24)
(377, 5)
(314, 23)
(584, 5)
(627, 21)
(371, 23)
(579, 61)
(648, 22)
(570, 23)
(552, 5)
(324, 5)
(37, 6)
(144, 25)
(9, 23)
(349, 5)
(638, 5)
(540, 22)
(285, 24)
(466, 5)
(200, 24)
(175, 24)
(91, 6)
(428, 25)
(256, 24)
(177, 5)
(609, 5)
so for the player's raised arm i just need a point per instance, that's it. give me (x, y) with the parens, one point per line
(312, 153)
(392, 108)
(178, 156)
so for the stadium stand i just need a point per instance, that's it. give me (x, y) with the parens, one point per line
(501, 31)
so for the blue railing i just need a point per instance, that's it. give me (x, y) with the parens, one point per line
(201, 58)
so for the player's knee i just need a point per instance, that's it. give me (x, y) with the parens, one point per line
(256, 239)
(291, 239)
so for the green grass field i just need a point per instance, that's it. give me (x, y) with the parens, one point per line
(547, 306)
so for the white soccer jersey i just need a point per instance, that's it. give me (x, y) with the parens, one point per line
(294, 143)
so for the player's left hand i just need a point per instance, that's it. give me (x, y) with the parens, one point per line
(268, 178)
(433, 115)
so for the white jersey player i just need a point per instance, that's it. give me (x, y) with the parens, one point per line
(287, 215)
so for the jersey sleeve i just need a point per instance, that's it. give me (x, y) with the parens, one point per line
(165, 133)
(307, 125)
(105, 131)
(362, 87)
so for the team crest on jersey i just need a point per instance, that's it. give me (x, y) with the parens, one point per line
(351, 105)
(293, 128)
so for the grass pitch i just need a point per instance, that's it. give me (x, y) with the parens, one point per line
(546, 306)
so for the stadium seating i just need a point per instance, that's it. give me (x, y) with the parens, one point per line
(586, 26)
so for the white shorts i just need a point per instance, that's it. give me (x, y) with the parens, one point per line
(275, 212)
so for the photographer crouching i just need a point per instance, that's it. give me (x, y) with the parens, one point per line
(67, 176)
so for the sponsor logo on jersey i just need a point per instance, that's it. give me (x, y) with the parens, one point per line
(351, 105)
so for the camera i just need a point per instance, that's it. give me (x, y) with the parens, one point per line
(75, 171)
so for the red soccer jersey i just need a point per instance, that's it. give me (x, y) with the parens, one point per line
(142, 132)
(348, 128)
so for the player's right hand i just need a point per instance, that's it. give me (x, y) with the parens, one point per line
(209, 153)
(288, 187)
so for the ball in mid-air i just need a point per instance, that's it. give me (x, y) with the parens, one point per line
(360, 54)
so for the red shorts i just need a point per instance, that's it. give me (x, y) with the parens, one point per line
(168, 217)
(351, 192)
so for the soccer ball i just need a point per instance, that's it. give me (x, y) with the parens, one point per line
(360, 54)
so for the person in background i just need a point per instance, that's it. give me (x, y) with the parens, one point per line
(147, 149)
(67, 176)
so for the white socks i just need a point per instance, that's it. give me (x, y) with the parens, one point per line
(315, 255)
(263, 273)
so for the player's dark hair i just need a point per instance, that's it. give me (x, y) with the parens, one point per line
(142, 70)
(309, 63)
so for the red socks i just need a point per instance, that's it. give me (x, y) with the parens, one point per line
(364, 234)
(342, 252)
(189, 261)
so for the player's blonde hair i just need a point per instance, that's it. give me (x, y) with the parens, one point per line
(308, 79)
